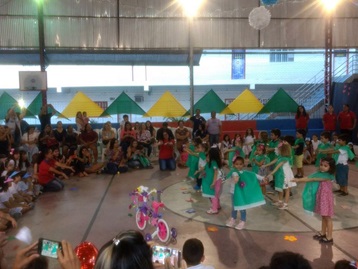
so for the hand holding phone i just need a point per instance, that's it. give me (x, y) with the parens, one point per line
(49, 248)
(161, 254)
(25, 256)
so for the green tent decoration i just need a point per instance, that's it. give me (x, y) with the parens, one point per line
(35, 107)
(208, 103)
(280, 102)
(123, 104)
(7, 102)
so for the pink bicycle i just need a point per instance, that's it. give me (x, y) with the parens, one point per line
(147, 212)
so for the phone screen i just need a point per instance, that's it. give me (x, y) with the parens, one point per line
(161, 253)
(49, 248)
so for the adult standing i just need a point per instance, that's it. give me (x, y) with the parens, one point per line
(213, 126)
(302, 118)
(13, 121)
(197, 120)
(347, 121)
(45, 116)
(329, 120)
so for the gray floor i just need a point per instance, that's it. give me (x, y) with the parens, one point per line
(96, 208)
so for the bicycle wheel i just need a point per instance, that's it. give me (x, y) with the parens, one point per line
(140, 220)
(163, 230)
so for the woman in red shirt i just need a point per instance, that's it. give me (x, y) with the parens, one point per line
(127, 136)
(302, 118)
(166, 153)
(329, 120)
(47, 172)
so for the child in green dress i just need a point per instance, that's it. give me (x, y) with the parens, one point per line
(283, 175)
(235, 151)
(212, 181)
(245, 191)
(257, 163)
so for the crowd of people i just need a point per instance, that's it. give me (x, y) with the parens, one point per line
(272, 162)
(129, 249)
(33, 162)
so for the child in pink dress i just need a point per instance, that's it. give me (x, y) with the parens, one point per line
(317, 197)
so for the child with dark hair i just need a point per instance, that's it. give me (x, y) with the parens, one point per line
(288, 260)
(283, 175)
(193, 254)
(258, 161)
(15, 155)
(299, 147)
(24, 163)
(308, 157)
(325, 144)
(317, 197)
(344, 264)
(271, 149)
(127, 250)
(8, 203)
(235, 151)
(246, 192)
(212, 181)
(341, 154)
(193, 158)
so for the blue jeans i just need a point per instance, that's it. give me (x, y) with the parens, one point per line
(54, 185)
(167, 164)
(213, 139)
(234, 212)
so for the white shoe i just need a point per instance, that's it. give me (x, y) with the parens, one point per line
(240, 226)
(278, 203)
(283, 206)
(231, 223)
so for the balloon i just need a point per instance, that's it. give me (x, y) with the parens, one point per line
(259, 18)
(269, 2)
(24, 235)
(87, 254)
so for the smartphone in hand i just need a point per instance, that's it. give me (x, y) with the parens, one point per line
(160, 253)
(49, 248)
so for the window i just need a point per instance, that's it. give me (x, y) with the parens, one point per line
(102, 104)
(280, 55)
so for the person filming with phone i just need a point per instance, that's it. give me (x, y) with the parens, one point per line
(127, 250)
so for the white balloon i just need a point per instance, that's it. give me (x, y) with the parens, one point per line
(259, 18)
(24, 235)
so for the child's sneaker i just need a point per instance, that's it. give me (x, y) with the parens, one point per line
(278, 203)
(211, 212)
(231, 223)
(240, 226)
(196, 187)
(283, 206)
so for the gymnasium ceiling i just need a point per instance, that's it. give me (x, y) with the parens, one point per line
(156, 32)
